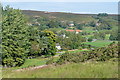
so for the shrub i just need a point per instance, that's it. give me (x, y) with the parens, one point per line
(73, 57)
(100, 54)
(90, 39)
(50, 61)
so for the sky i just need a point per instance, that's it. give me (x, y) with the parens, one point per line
(73, 6)
(60, 0)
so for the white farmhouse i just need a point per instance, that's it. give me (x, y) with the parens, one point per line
(58, 46)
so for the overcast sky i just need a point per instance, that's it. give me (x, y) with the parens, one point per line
(60, 0)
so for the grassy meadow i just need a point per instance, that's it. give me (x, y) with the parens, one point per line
(80, 70)
(99, 43)
(89, 30)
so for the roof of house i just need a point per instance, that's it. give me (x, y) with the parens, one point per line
(70, 30)
(78, 30)
(73, 30)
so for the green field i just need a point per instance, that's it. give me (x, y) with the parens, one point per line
(87, 36)
(99, 43)
(31, 63)
(89, 30)
(81, 70)
(77, 51)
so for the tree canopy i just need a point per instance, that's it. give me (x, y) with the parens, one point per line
(14, 37)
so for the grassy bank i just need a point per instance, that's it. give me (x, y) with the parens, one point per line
(81, 70)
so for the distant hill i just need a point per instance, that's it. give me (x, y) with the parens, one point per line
(82, 18)
(79, 18)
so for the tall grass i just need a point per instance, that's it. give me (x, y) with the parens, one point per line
(80, 70)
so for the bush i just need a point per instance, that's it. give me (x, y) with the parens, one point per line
(73, 57)
(80, 48)
(50, 61)
(102, 14)
(114, 59)
(90, 39)
(100, 54)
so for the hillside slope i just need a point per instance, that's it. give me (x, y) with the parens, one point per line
(82, 18)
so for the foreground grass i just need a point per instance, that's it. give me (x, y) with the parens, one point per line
(79, 70)
(0, 72)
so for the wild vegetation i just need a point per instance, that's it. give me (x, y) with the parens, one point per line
(99, 54)
(79, 70)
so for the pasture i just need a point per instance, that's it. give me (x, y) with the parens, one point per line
(99, 43)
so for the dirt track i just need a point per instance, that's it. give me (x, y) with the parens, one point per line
(32, 68)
